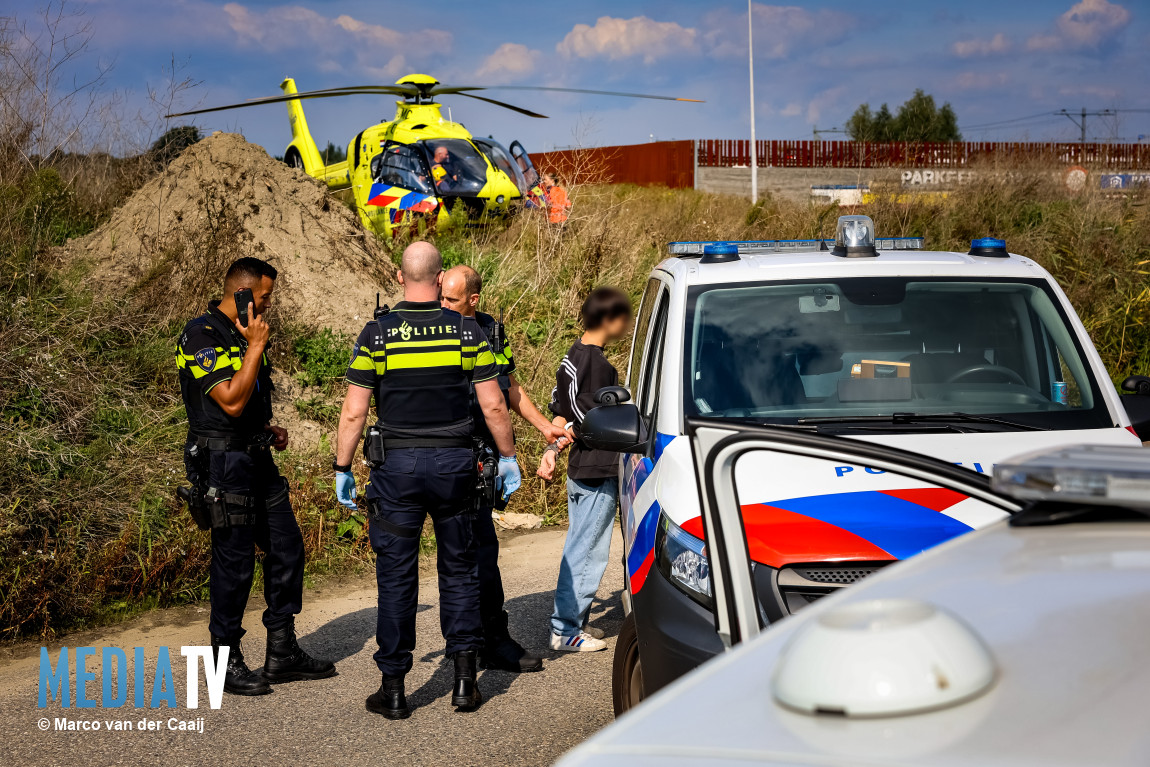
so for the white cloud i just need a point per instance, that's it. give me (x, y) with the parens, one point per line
(964, 49)
(779, 30)
(511, 61)
(793, 109)
(374, 50)
(1088, 25)
(613, 39)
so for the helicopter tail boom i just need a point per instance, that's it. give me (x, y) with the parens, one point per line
(302, 142)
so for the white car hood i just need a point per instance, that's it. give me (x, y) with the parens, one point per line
(1065, 611)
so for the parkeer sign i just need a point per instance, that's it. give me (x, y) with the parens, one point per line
(934, 177)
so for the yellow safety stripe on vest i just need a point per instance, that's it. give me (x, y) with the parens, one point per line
(426, 360)
(417, 344)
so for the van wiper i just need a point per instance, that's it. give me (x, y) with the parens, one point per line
(942, 419)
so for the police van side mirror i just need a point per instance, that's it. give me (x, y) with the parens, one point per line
(617, 428)
(612, 395)
(1138, 405)
(1138, 384)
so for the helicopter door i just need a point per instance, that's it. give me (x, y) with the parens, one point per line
(532, 193)
(502, 161)
(523, 160)
(400, 181)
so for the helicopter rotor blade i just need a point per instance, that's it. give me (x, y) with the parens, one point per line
(374, 90)
(565, 90)
(503, 104)
(409, 90)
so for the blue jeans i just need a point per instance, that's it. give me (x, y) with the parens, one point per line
(591, 515)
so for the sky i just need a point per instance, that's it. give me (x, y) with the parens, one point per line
(1004, 65)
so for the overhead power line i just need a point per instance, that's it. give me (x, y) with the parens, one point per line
(1078, 118)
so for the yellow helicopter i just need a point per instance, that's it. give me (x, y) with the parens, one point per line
(418, 166)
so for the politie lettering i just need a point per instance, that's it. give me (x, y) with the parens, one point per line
(844, 470)
(114, 672)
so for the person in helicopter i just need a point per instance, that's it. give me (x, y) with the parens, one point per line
(443, 171)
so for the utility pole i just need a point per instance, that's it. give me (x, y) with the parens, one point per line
(1080, 118)
(751, 65)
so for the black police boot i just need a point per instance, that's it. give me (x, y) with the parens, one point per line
(466, 696)
(502, 652)
(239, 679)
(286, 661)
(389, 700)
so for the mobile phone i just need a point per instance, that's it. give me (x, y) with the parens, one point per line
(243, 298)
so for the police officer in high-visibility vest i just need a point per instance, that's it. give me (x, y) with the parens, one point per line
(460, 292)
(236, 490)
(419, 361)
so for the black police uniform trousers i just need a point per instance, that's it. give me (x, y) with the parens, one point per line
(275, 531)
(412, 484)
(491, 596)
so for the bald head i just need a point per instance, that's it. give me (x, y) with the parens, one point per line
(460, 290)
(421, 264)
(472, 282)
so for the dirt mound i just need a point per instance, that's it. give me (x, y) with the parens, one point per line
(223, 198)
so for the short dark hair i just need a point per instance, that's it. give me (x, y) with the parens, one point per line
(250, 267)
(604, 304)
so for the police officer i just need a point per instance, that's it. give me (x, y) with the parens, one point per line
(419, 361)
(460, 292)
(225, 380)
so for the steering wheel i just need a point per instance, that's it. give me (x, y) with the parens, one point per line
(985, 367)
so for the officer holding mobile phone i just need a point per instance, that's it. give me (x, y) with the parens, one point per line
(237, 491)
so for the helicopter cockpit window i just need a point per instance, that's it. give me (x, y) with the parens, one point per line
(457, 167)
(400, 165)
(501, 160)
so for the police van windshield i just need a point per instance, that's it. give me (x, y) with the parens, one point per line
(457, 167)
(783, 352)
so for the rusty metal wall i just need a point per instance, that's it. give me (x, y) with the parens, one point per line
(672, 163)
(728, 153)
(666, 163)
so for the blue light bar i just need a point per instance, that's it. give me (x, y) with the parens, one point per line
(766, 247)
(988, 242)
(988, 247)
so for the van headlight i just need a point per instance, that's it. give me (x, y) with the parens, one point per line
(682, 558)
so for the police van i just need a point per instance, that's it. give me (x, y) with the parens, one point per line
(964, 357)
(1021, 644)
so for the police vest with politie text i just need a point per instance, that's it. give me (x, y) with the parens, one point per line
(420, 360)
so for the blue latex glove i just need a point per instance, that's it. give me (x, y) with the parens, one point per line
(509, 475)
(345, 489)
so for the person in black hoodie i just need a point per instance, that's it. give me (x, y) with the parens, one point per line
(592, 475)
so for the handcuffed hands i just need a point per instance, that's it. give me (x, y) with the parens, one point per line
(546, 468)
(345, 489)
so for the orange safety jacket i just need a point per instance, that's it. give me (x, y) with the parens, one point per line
(557, 204)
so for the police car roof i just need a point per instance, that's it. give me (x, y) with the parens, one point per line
(820, 264)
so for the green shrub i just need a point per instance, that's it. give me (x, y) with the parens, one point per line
(323, 356)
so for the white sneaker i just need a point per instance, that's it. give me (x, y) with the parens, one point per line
(581, 642)
(595, 632)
